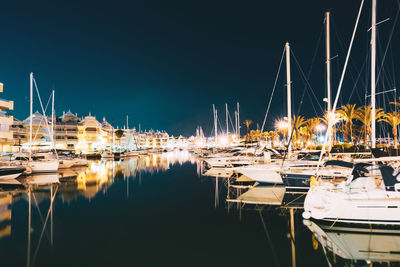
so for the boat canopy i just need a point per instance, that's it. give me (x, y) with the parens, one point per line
(339, 163)
(388, 178)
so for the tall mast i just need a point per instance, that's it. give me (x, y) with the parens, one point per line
(328, 59)
(112, 144)
(373, 69)
(236, 124)
(52, 120)
(226, 118)
(215, 123)
(127, 124)
(238, 118)
(31, 111)
(288, 86)
(328, 73)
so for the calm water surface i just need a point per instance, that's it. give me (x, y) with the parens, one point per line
(152, 211)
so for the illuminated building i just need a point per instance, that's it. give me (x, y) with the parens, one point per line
(6, 122)
(66, 131)
(89, 134)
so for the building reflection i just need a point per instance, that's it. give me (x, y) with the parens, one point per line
(40, 191)
(10, 191)
(5, 214)
(100, 175)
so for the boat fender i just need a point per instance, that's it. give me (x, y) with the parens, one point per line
(313, 182)
(306, 215)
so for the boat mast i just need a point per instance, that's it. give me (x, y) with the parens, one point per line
(328, 74)
(112, 144)
(226, 117)
(288, 87)
(215, 123)
(238, 119)
(31, 118)
(236, 131)
(52, 120)
(373, 69)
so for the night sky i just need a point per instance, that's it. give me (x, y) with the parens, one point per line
(164, 63)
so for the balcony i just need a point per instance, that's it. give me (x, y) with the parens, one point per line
(4, 104)
(6, 135)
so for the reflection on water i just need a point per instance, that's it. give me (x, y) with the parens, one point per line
(116, 212)
(100, 175)
(331, 244)
(356, 244)
(40, 191)
(5, 214)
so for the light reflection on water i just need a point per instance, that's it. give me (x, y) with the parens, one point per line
(160, 205)
(41, 190)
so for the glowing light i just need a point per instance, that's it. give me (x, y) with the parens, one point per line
(320, 127)
(282, 125)
(223, 140)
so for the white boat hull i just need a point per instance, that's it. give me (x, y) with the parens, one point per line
(268, 174)
(43, 166)
(10, 176)
(366, 207)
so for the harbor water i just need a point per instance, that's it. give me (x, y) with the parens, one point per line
(156, 210)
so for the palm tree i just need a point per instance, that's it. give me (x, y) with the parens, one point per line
(255, 135)
(247, 123)
(333, 118)
(396, 103)
(308, 130)
(297, 123)
(265, 136)
(348, 113)
(393, 119)
(363, 114)
(272, 135)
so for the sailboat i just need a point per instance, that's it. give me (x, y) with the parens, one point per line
(38, 164)
(373, 198)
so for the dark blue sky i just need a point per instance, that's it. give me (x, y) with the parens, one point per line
(166, 62)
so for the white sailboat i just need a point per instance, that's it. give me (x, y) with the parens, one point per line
(374, 199)
(38, 165)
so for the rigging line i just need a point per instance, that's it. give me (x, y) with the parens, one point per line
(387, 46)
(300, 105)
(386, 76)
(352, 64)
(294, 125)
(220, 126)
(312, 104)
(309, 73)
(48, 102)
(230, 119)
(393, 74)
(41, 104)
(268, 237)
(273, 90)
(39, 212)
(43, 229)
(212, 128)
(357, 79)
(306, 81)
(340, 84)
